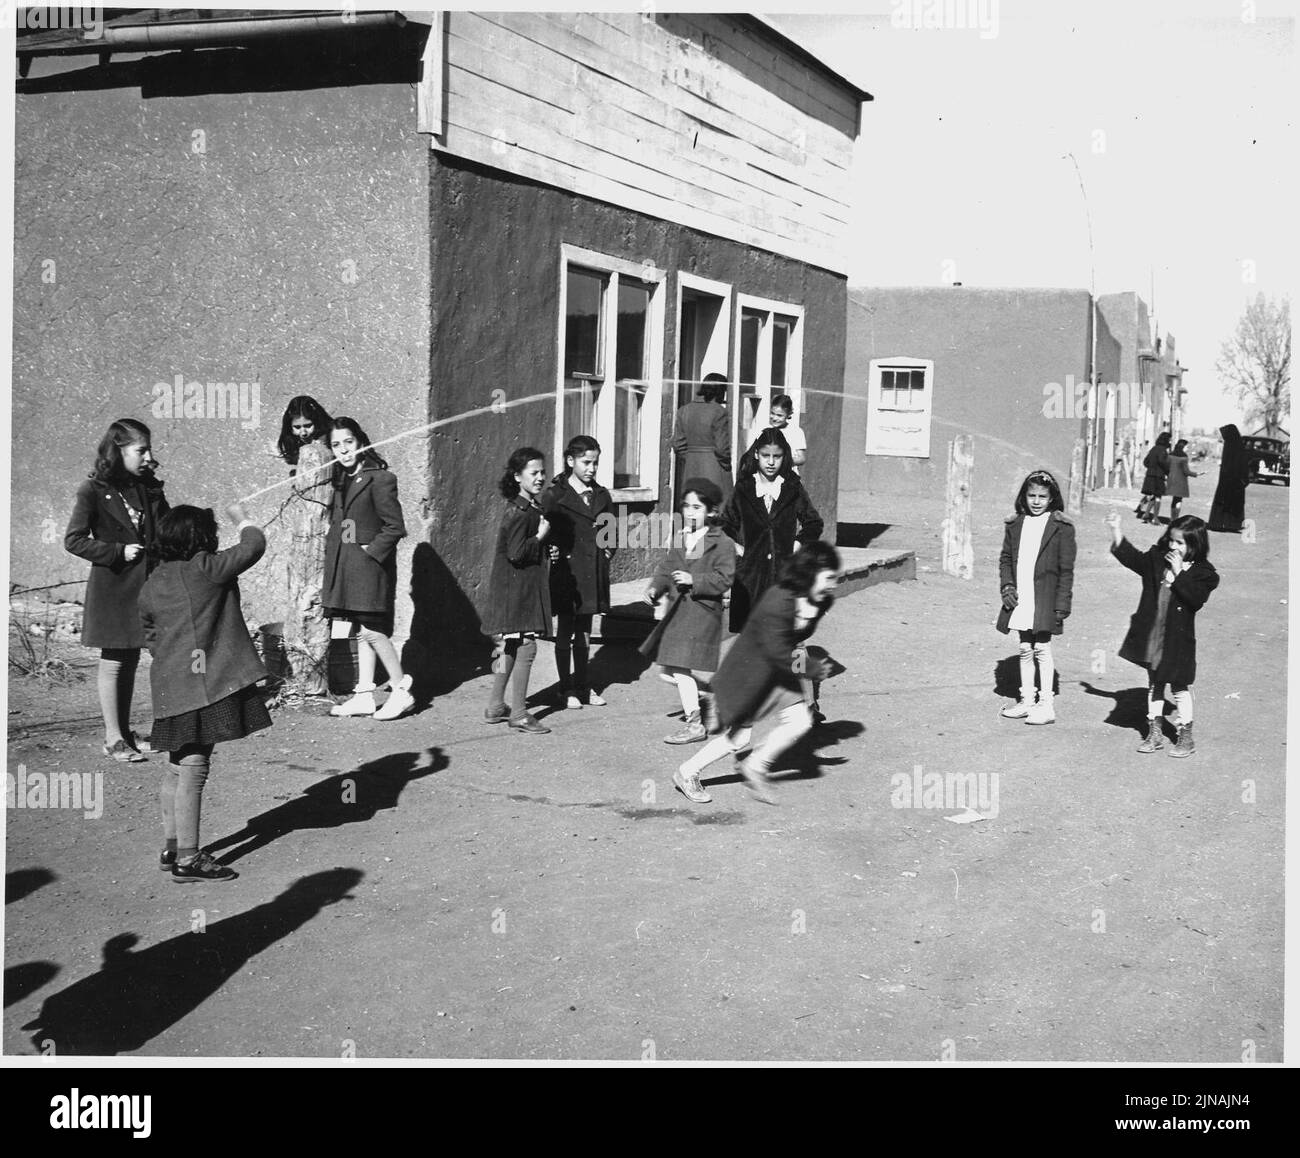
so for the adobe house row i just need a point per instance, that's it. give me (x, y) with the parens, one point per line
(518, 226)
(1009, 367)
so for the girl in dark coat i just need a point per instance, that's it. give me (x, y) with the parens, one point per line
(578, 508)
(1228, 511)
(361, 566)
(769, 514)
(762, 672)
(699, 571)
(113, 525)
(205, 670)
(519, 603)
(1153, 483)
(1179, 472)
(1177, 579)
(1037, 573)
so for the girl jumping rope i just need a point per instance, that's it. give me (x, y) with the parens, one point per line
(204, 674)
(1037, 572)
(519, 599)
(699, 572)
(579, 579)
(1177, 579)
(113, 526)
(761, 674)
(361, 566)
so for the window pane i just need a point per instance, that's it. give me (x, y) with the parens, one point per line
(582, 323)
(633, 309)
(628, 406)
(579, 407)
(751, 326)
(782, 328)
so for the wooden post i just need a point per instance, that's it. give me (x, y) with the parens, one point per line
(1074, 503)
(958, 553)
(306, 631)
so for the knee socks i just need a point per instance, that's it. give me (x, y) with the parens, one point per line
(1046, 669)
(572, 647)
(187, 771)
(689, 691)
(1027, 672)
(117, 668)
(792, 723)
(513, 666)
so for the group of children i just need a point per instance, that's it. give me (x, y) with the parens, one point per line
(158, 581)
(1037, 576)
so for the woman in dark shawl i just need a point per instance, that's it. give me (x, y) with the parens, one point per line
(1228, 512)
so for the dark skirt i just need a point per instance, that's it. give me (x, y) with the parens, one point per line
(380, 621)
(238, 715)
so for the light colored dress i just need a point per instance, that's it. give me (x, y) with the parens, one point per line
(1031, 539)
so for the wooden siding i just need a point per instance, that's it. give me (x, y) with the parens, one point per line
(692, 119)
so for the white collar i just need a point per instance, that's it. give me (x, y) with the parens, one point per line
(763, 488)
(580, 487)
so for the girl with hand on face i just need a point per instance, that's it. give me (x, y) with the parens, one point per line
(518, 611)
(1037, 572)
(361, 566)
(1177, 579)
(113, 526)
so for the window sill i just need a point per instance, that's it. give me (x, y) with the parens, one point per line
(634, 494)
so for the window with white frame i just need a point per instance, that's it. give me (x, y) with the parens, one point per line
(611, 359)
(899, 396)
(769, 361)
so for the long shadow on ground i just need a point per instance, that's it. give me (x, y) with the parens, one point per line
(1130, 706)
(348, 798)
(136, 996)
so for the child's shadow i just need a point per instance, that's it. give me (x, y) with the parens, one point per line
(135, 996)
(803, 760)
(611, 663)
(348, 798)
(1006, 678)
(1130, 710)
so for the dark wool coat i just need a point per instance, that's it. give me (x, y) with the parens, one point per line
(360, 556)
(99, 531)
(195, 630)
(768, 539)
(519, 597)
(1053, 571)
(1187, 596)
(1157, 464)
(580, 577)
(690, 635)
(1179, 472)
(762, 659)
(702, 440)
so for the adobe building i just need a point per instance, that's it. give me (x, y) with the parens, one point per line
(508, 227)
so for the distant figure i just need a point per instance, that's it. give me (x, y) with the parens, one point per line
(1228, 512)
(702, 438)
(1153, 484)
(780, 414)
(1179, 472)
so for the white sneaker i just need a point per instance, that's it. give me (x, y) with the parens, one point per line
(398, 702)
(1043, 712)
(1018, 710)
(361, 704)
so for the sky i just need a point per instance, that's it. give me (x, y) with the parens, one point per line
(1181, 117)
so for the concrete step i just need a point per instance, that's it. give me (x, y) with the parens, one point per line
(631, 620)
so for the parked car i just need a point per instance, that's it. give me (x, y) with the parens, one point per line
(1269, 459)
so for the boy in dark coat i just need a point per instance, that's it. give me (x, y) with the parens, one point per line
(1177, 579)
(768, 512)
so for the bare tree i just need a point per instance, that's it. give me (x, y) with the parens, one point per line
(1256, 363)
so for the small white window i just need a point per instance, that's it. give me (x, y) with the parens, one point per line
(899, 397)
(611, 367)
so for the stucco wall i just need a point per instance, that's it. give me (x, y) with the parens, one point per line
(496, 279)
(223, 265)
(994, 351)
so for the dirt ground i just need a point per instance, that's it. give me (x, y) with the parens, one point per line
(436, 887)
